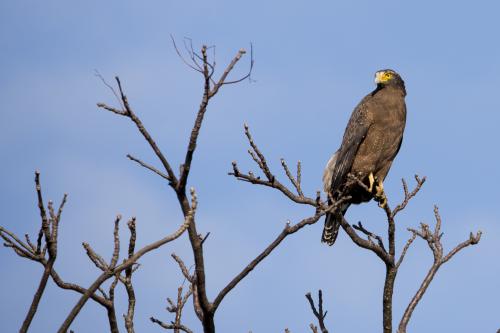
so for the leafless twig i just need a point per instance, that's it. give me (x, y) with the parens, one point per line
(370, 234)
(210, 88)
(127, 111)
(433, 239)
(293, 180)
(270, 180)
(318, 313)
(408, 195)
(170, 326)
(176, 308)
(111, 271)
(48, 233)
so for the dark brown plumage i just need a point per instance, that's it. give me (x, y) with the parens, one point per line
(371, 141)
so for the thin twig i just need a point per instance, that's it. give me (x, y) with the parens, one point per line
(147, 166)
(170, 326)
(50, 241)
(128, 112)
(126, 264)
(295, 182)
(249, 73)
(318, 313)
(287, 230)
(370, 234)
(408, 195)
(366, 244)
(183, 268)
(433, 239)
(182, 58)
(405, 249)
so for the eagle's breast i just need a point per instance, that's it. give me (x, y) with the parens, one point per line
(387, 112)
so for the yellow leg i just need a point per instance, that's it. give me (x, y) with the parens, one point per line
(379, 187)
(371, 179)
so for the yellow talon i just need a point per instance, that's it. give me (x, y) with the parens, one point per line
(380, 194)
(380, 188)
(382, 202)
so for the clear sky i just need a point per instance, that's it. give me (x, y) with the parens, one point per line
(313, 62)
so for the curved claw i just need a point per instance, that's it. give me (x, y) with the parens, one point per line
(382, 201)
(380, 196)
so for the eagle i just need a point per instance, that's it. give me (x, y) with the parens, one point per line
(371, 141)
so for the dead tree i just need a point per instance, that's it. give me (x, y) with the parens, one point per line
(45, 249)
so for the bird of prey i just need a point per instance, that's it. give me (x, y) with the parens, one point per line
(371, 141)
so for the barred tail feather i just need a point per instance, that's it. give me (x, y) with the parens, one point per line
(332, 226)
(331, 229)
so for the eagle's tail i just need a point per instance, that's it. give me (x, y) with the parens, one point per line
(332, 226)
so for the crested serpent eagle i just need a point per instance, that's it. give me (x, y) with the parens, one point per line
(371, 141)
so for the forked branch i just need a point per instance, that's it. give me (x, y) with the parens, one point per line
(433, 239)
(176, 308)
(270, 179)
(110, 270)
(127, 111)
(318, 313)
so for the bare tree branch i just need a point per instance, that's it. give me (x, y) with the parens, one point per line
(198, 68)
(288, 230)
(149, 167)
(295, 182)
(229, 68)
(170, 326)
(51, 242)
(118, 269)
(249, 73)
(433, 239)
(318, 313)
(405, 249)
(370, 234)
(408, 195)
(183, 268)
(127, 281)
(210, 89)
(366, 244)
(128, 112)
(271, 181)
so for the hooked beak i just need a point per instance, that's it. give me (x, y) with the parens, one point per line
(379, 77)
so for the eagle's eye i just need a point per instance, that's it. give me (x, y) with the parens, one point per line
(387, 75)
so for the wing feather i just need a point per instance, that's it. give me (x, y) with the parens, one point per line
(354, 135)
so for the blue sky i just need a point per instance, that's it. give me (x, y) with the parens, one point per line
(313, 62)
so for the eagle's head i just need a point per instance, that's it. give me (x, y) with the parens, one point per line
(388, 77)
